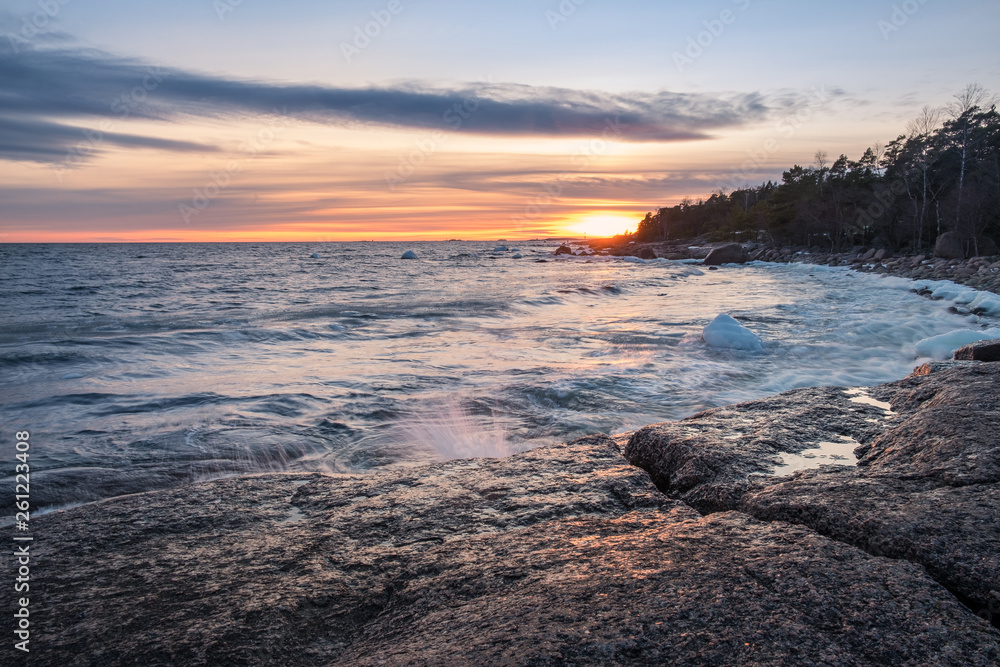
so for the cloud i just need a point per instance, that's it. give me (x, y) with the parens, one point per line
(38, 87)
(47, 141)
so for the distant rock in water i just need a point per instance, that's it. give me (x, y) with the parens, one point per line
(500, 248)
(516, 255)
(725, 332)
(315, 255)
(731, 253)
(409, 254)
(564, 250)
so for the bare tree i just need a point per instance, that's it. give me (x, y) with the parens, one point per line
(820, 162)
(924, 124)
(879, 152)
(972, 96)
(920, 130)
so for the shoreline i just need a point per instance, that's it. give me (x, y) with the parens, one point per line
(980, 273)
(681, 544)
(685, 542)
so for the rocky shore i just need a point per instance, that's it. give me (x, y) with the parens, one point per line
(685, 543)
(981, 273)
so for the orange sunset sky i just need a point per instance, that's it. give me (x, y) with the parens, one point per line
(311, 121)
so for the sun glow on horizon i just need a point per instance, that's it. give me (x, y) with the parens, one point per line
(602, 224)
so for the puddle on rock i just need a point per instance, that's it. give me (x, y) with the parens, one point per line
(860, 395)
(824, 453)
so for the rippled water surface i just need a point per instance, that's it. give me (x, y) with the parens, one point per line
(141, 366)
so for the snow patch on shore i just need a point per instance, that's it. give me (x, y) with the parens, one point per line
(985, 303)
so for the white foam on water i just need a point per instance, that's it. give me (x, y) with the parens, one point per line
(451, 432)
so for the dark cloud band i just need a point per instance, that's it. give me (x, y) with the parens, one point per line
(40, 87)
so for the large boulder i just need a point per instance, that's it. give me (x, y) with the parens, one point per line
(922, 484)
(949, 246)
(563, 250)
(731, 253)
(647, 253)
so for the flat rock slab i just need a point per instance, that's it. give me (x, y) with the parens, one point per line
(564, 555)
(925, 487)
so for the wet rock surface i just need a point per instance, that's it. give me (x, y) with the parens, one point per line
(926, 487)
(988, 351)
(567, 555)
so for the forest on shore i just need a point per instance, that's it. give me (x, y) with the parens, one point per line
(942, 175)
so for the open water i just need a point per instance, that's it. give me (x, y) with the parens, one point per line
(141, 366)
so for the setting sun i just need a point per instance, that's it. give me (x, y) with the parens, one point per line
(602, 224)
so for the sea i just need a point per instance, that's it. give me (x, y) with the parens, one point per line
(147, 366)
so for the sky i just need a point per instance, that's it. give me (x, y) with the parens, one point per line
(301, 120)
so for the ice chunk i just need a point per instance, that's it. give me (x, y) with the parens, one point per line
(516, 255)
(409, 254)
(944, 346)
(726, 332)
(986, 303)
(315, 255)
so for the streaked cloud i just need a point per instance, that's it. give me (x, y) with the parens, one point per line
(44, 91)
